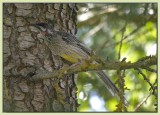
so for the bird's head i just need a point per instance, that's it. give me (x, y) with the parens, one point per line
(46, 31)
(44, 28)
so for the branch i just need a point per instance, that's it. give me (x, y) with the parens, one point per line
(85, 66)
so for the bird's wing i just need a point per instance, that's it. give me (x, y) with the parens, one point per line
(71, 39)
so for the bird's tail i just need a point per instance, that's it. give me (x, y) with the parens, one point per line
(109, 84)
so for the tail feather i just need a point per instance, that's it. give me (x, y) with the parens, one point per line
(110, 85)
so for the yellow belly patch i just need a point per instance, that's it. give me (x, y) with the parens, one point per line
(70, 58)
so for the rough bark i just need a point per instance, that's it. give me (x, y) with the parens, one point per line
(24, 55)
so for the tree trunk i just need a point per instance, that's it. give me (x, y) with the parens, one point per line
(24, 55)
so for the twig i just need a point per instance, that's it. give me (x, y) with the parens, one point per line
(130, 34)
(93, 31)
(155, 88)
(104, 44)
(151, 70)
(145, 78)
(122, 103)
(141, 103)
(120, 47)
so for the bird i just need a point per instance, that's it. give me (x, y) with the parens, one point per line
(69, 48)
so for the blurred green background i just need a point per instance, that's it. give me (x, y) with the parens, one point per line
(101, 27)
